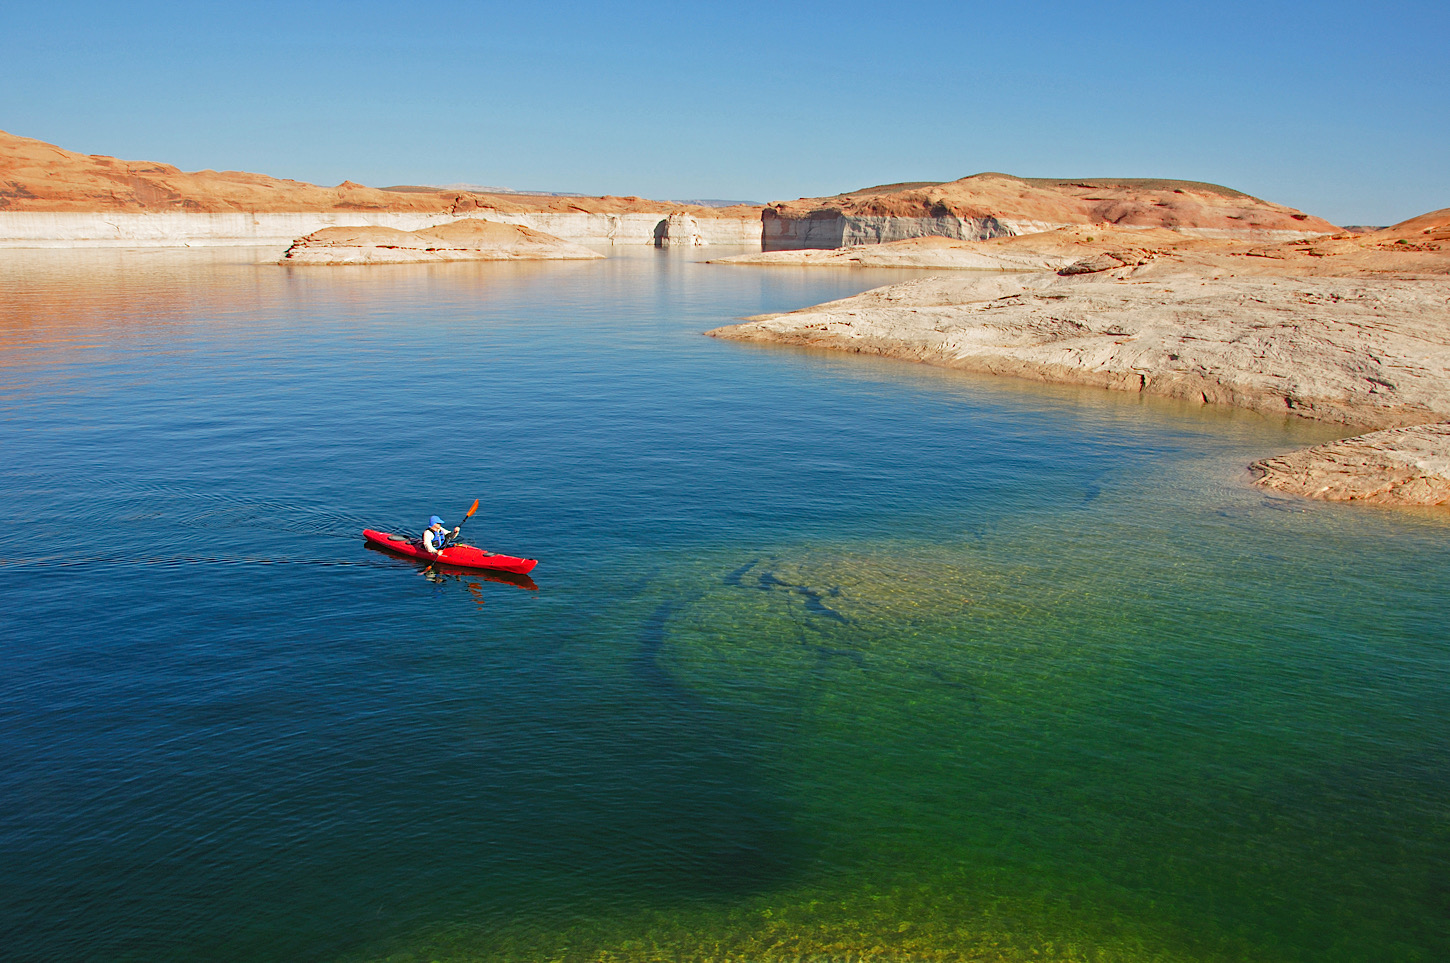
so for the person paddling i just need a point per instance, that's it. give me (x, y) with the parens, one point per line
(435, 537)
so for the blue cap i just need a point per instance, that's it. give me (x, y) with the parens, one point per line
(435, 520)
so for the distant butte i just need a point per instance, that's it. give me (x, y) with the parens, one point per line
(41, 178)
(995, 205)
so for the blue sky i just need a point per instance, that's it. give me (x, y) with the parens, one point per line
(1341, 109)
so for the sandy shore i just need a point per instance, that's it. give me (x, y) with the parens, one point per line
(1332, 329)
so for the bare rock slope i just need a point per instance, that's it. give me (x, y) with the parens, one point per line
(1354, 351)
(473, 239)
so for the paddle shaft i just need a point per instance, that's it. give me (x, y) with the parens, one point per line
(466, 517)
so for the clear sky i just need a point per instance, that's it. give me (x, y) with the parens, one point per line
(1339, 108)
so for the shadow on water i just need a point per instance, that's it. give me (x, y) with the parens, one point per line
(749, 843)
(530, 789)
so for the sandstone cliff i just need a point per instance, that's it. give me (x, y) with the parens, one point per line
(50, 196)
(471, 239)
(996, 205)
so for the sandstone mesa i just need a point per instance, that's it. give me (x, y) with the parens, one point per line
(52, 197)
(995, 205)
(40, 177)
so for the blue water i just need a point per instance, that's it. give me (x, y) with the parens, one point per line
(826, 657)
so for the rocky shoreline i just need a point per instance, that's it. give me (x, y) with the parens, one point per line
(1400, 466)
(1353, 330)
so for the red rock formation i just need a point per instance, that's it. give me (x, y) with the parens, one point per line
(987, 205)
(40, 177)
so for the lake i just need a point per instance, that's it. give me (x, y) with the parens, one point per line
(826, 657)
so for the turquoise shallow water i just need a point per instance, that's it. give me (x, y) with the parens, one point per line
(828, 657)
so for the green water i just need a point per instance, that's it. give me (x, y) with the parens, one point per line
(1012, 748)
(830, 658)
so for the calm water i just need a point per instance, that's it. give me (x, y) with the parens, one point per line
(828, 657)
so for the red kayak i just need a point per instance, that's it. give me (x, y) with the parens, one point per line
(463, 556)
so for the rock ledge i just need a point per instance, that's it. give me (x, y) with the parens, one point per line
(470, 239)
(1400, 466)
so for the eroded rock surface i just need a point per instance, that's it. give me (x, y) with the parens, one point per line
(1400, 466)
(1367, 352)
(1347, 327)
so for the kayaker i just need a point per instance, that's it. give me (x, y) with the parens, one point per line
(435, 536)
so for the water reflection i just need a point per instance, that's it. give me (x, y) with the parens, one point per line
(57, 307)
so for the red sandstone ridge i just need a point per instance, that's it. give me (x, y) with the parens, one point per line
(40, 177)
(1431, 228)
(1002, 204)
